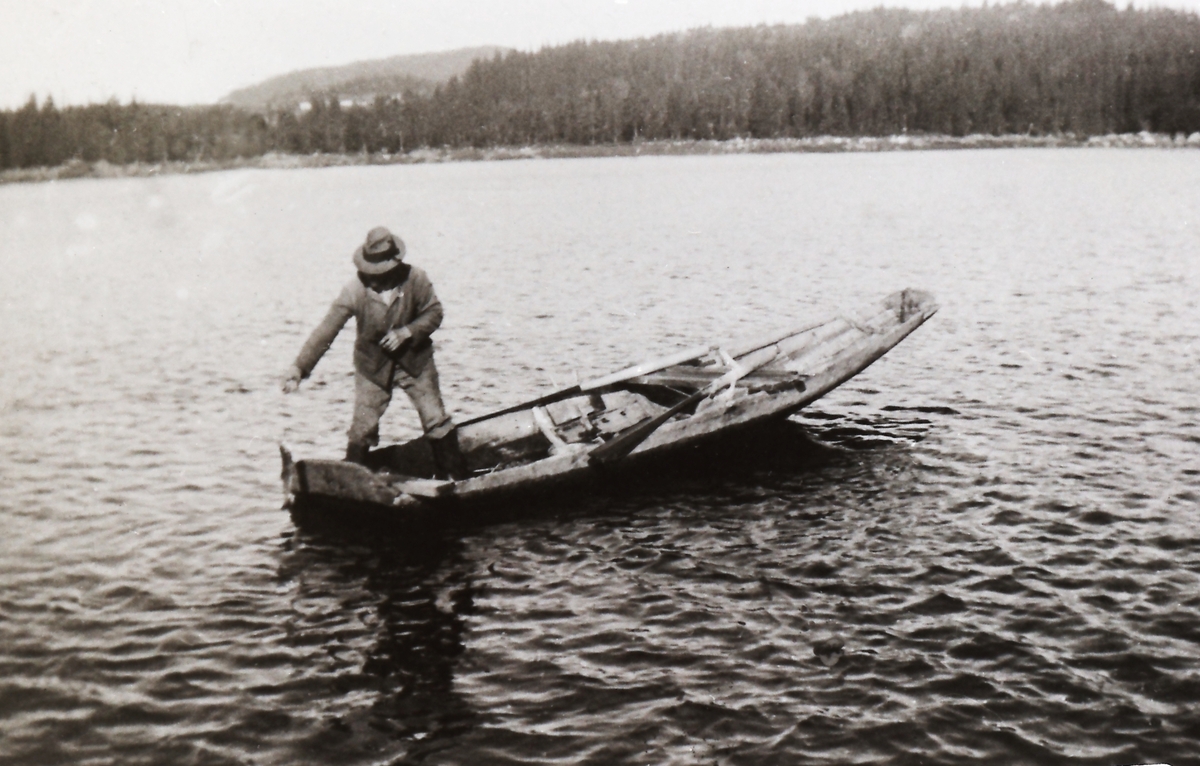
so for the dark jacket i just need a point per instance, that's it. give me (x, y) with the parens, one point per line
(415, 307)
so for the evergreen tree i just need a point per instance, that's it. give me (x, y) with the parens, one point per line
(1080, 67)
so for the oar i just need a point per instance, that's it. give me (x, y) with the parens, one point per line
(738, 349)
(625, 442)
(550, 398)
(595, 384)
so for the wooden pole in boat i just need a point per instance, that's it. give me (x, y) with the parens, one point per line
(625, 442)
(740, 348)
(645, 368)
(551, 398)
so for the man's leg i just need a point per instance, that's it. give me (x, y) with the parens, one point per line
(426, 397)
(370, 402)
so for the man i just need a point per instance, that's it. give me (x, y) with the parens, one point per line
(396, 311)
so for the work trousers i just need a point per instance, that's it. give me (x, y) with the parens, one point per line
(371, 401)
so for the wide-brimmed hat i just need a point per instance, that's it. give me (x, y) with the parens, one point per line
(382, 252)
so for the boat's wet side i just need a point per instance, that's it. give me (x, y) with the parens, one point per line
(997, 519)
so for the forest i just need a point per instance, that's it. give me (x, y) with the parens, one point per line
(1083, 67)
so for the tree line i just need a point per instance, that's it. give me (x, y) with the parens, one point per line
(45, 136)
(1080, 67)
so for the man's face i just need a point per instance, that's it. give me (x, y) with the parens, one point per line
(380, 282)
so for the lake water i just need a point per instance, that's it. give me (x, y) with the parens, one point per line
(998, 520)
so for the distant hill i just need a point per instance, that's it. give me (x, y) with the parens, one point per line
(363, 80)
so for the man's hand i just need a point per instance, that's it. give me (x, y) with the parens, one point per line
(396, 338)
(292, 381)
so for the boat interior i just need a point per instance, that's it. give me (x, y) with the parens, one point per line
(598, 413)
(541, 431)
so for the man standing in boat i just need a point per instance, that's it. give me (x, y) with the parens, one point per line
(396, 311)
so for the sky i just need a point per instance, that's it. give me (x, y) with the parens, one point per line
(197, 51)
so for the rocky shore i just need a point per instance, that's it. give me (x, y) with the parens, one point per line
(907, 142)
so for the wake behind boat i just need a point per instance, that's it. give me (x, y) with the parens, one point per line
(616, 422)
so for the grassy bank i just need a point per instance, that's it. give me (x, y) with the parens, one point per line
(276, 161)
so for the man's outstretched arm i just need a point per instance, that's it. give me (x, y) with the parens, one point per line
(319, 341)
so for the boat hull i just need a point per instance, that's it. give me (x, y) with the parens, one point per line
(542, 448)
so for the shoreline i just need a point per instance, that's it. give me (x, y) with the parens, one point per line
(822, 144)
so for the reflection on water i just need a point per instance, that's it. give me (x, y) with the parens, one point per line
(982, 550)
(388, 615)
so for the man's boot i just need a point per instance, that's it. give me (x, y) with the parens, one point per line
(356, 452)
(448, 457)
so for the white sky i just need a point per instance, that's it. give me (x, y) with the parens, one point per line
(196, 51)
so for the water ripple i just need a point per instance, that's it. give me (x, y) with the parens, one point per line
(981, 551)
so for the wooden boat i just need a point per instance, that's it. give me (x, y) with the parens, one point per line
(616, 422)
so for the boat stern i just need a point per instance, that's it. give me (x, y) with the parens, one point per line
(290, 475)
